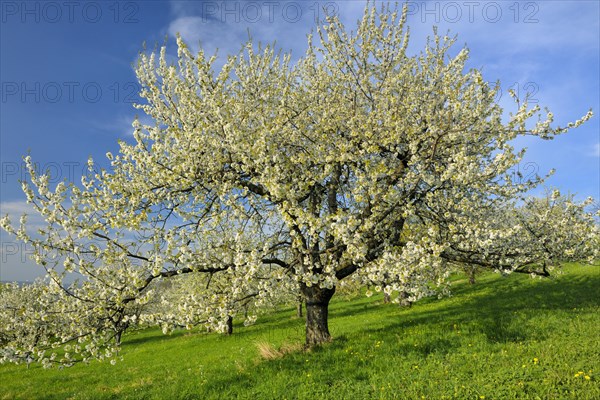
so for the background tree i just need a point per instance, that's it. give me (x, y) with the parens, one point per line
(317, 168)
(25, 320)
(206, 300)
(38, 318)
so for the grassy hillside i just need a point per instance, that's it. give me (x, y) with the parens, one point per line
(504, 338)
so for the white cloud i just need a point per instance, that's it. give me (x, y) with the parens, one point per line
(15, 262)
(16, 265)
(16, 208)
(519, 44)
(119, 126)
(595, 151)
(511, 28)
(228, 25)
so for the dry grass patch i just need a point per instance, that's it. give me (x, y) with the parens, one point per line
(269, 352)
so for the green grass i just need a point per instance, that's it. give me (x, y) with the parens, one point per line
(504, 338)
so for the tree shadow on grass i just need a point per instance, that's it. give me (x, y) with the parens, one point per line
(345, 310)
(432, 346)
(496, 309)
(267, 328)
(259, 331)
(492, 304)
(142, 336)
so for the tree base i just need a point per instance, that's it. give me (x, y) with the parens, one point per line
(317, 309)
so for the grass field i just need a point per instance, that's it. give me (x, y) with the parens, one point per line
(503, 338)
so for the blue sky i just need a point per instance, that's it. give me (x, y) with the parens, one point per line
(67, 81)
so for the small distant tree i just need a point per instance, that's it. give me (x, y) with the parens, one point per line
(553, 227)
(317, 168)
(37, 318)
(25, 321)
(471, 271)
(534, 222)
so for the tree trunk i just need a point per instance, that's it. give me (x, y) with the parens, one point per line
(229, 329)
(317, 305)
(299, 307)
(472, 276)
(404, 302)
(386, 298)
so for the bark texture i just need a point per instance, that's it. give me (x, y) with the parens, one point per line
(472, 276)
(317, 307)
(299, 313)
(404, 302)
(229, 329)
